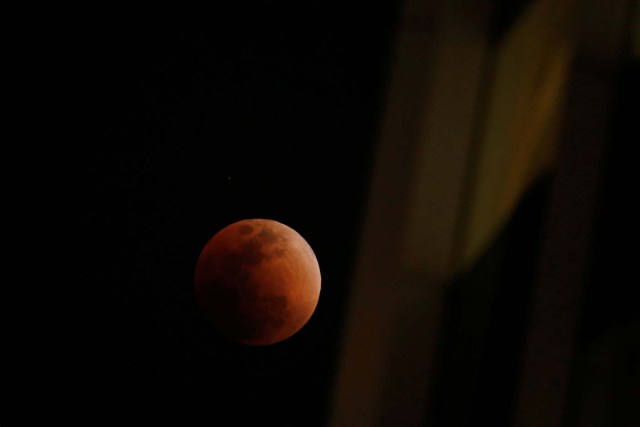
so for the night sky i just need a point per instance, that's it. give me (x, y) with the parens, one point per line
(147, 133)
(178, 130)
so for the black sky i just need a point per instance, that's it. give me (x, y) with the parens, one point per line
(176, 129)
(145, 134)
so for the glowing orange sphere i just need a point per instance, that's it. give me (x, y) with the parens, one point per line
(257, 281)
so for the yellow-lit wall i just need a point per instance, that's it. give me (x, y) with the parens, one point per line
(517, 130)
(467, 126)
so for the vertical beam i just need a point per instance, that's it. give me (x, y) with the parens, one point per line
(416, 188)
(517, 132)
(567, 240)
(565, 255)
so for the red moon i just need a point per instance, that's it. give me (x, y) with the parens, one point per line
(257, 281)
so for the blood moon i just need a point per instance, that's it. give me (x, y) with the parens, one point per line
(257, 281)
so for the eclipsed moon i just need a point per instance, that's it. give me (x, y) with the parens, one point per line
(257, 281)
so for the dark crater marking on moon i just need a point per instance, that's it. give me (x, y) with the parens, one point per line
(268, 313)
(238, 265)
(245, 229)
(250, 253)
(267, 236)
